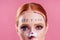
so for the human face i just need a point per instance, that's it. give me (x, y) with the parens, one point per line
(31, 26)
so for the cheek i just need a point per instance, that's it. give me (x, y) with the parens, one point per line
(24, 34)
(41, 33)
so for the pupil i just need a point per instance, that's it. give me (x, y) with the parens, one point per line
(24, 28)
(39, 27)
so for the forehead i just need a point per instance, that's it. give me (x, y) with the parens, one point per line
(31, 17)
(33, 13)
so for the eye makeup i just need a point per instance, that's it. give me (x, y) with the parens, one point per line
(24, 27)
(39, 27)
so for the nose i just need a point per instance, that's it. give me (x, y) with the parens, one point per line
(31, 31)
(32, 34)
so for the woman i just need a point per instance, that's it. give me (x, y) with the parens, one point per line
(31, 22)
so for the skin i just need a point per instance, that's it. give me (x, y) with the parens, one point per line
(32, 23)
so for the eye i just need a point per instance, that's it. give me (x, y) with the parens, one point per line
(24, 27)
(39, 27)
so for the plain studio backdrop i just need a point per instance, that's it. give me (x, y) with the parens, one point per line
(8, 9)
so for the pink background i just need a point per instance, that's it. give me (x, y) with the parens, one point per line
(8, 10)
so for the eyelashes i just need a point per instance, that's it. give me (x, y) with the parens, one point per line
(39, 27)
(26, 27)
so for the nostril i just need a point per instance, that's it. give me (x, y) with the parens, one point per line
(32, 33)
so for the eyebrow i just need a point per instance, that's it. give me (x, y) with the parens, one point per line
(34, 24)
(39, 24)
(24, 24)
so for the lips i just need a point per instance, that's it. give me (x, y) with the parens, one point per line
(31, 37)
